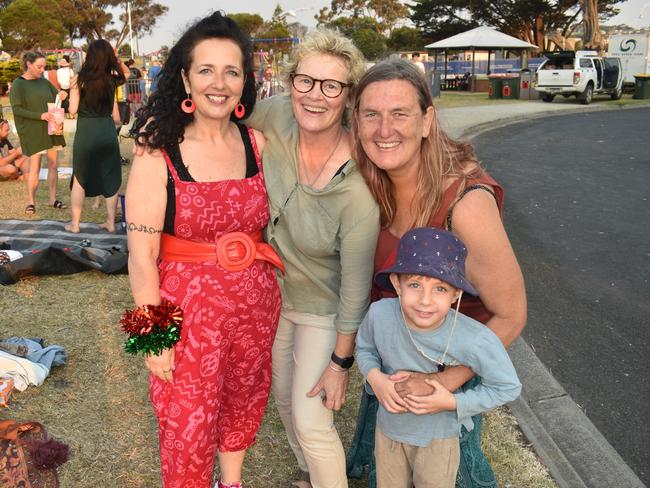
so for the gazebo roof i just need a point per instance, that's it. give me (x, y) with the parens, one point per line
(482, 38)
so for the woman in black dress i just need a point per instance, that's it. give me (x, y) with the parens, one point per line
(96, 152)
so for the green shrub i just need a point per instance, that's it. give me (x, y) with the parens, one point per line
(9, 71)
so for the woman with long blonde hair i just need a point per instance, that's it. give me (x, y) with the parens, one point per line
(422, 177)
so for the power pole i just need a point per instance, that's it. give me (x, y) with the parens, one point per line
(128, 11)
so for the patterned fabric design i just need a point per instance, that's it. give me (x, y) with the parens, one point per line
(222, 371)
(13, 471)
(16, 467)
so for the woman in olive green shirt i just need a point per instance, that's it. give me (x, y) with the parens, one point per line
(29, 96)
(324, 224)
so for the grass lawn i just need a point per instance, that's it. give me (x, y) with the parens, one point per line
(99, 404)
(451, 99)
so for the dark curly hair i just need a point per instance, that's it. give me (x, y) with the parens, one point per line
(161, 122)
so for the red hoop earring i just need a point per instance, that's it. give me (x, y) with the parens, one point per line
(188, 105)
(240, 110)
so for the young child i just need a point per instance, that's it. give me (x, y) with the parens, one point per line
(417, 332)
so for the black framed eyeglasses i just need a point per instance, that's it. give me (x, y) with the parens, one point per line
(329, 88)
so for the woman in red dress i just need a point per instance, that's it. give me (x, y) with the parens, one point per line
(196, 209)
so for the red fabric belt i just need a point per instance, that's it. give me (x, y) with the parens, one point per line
(234, 251)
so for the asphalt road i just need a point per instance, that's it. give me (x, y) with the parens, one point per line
(577, 211)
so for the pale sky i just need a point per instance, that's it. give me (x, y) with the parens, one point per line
(182, 12)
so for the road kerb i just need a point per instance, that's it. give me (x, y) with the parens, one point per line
(569, 444)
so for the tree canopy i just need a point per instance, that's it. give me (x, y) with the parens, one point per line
(529, 20)
(364, 32)
(47, 23)
(275, 28)
(32, 24)
(405, 39)
(386, 13)
(96, 21)
(249, 23)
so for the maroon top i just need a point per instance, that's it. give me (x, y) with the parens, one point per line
(387, 242)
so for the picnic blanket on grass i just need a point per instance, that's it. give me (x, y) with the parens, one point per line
(47, 248)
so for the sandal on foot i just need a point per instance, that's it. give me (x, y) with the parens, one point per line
(302, 479)
(237, 484)
(30, 209)
(59, 205)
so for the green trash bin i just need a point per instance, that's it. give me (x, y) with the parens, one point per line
(642, 87)
(510, 88)
(494, 90)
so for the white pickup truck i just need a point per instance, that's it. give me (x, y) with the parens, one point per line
(579, 73)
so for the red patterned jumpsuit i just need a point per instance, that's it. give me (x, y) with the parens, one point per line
(222, 369)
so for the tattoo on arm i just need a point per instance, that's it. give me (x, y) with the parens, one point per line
(133, 227)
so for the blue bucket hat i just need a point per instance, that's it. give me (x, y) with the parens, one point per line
(430, 252)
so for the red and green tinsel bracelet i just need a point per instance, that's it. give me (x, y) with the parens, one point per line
(152, 328)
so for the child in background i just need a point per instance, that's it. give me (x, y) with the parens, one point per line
(417, 437)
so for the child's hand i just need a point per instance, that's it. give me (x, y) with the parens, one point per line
(411, 383)
(440, 400)
(384, 389)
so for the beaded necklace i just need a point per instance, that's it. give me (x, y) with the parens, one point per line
(440, 362)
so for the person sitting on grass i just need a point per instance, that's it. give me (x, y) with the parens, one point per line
(417, 437)
(13, 164)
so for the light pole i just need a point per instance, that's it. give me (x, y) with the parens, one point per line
(128, 12)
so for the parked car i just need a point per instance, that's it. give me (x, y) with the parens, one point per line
(578, 73)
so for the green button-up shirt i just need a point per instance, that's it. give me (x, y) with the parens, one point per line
(326, 237)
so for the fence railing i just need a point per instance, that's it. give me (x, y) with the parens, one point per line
(137, 92)
(480, 67)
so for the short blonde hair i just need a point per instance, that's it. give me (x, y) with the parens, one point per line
(327, 41)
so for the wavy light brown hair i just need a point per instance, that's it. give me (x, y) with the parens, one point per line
(441, 156)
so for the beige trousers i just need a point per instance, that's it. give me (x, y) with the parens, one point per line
(301, 352)
(402, 465)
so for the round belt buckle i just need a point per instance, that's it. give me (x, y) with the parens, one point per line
(235, 251)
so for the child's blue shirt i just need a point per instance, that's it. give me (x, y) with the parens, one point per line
(383, 342)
